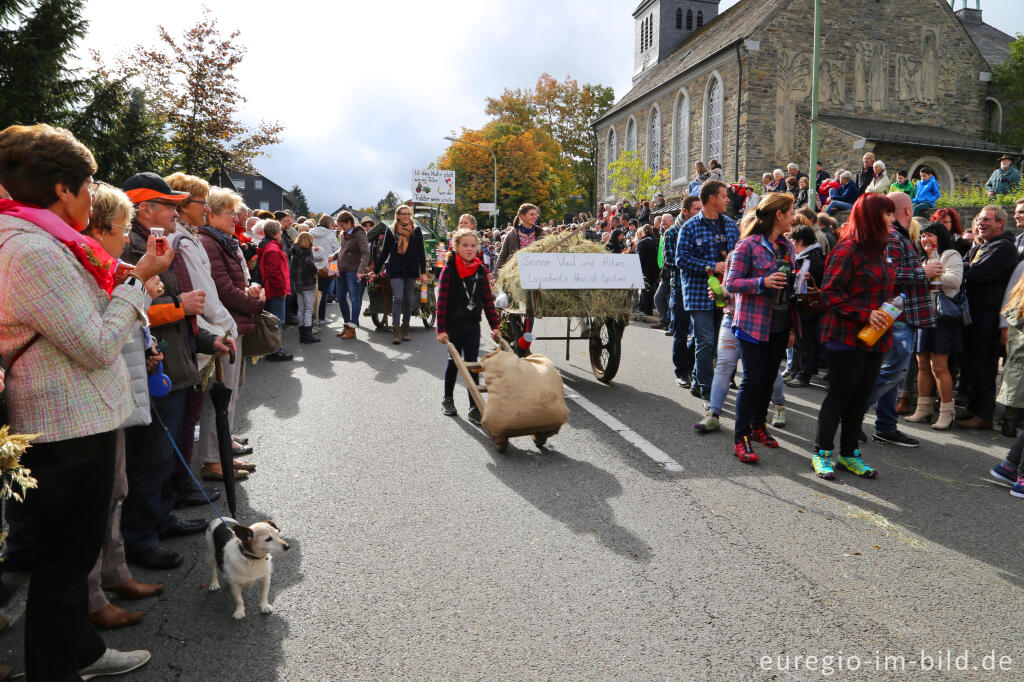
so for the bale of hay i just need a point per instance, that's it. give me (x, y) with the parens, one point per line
(598, 303)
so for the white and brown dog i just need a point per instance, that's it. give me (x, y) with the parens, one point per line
(243, 555)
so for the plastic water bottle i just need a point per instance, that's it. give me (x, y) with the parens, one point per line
(892, 309)
(716, 288)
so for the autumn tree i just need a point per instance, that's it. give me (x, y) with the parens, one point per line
(196, 92)
(631, 178)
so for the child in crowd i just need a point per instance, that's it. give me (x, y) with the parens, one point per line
(463, 292)
(303, 269)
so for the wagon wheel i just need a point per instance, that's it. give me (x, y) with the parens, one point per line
(430, 317)
(380, 319)
(605, 348)
(511, 329)
(500, 443)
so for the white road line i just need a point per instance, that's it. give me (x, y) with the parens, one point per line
(645, 446)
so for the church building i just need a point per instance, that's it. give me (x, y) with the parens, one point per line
(910, 81)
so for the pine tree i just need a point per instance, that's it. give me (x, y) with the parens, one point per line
(36, 41)
(301, 206)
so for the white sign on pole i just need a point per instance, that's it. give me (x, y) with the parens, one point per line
(432, 186)
(580, 271)
(486, 208)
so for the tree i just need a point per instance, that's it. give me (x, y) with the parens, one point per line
(36, 41)
(1008, 77)
(301, 206)
(631, 178)
(387, 204)
(196, 93)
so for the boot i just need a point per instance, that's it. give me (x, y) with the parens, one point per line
(405, 333)
(903, 404)
(946, 413)
(925, 409)
(310, 338)
(304, 335)
(396, 337)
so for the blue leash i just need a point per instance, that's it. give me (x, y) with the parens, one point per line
(195, 480)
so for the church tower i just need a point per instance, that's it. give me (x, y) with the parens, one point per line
(662, 25)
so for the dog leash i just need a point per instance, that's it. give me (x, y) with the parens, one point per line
(187, 467)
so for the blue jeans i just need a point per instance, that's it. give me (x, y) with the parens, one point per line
(895, 363)
(725, 366)
(921, 208)
(661, 302)
(836, 206)
(705, 324)
(277, 306)
(350, 296)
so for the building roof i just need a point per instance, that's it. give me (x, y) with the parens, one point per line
(912, 134)
(732, 25)
(993, 43)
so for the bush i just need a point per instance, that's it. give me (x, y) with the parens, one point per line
(975, 196)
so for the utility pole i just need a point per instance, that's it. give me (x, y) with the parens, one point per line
(815, 69)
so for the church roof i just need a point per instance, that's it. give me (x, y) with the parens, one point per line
(911, 134)
(993, 43)
(732, 25)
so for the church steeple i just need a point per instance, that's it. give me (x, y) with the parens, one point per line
(662, 25)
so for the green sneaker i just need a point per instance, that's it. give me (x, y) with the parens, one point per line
(856, 465)
(708, 424)
(779, 420)
(822, 463)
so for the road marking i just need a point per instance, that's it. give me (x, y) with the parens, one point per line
(645, 446)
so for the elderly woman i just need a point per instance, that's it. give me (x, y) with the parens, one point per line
(880, 181)
(64, 323)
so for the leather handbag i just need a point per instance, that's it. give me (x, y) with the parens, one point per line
(265, 338)
(953, 308)
(809, 302)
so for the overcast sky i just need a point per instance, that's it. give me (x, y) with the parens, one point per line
(367, 90)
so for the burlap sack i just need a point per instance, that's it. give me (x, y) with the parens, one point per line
(524, 395)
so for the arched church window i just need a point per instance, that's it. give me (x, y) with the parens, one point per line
(713, 120)
(700, 19)
(689, 20)
(613, 154)
(681, 136)
(654, 139)
(679, 18)
(631, 135)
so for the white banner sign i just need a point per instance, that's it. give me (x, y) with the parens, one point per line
(580, 271)
(486, 208)
(432, 186)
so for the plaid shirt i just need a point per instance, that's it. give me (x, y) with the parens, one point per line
(919, 308)
(444, 288)
(854, 286)
(702, 243)
(752, 261)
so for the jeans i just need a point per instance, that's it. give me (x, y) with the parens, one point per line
(980, 361)
(852, 375)
(276, 306)
(760, 373)
(324, 285)
(725, 367)
(922, 208)
(149, 463)
(661, 302)
(836, 206)
(305, 300)
(705, 325)
(894, 368)
(402, 290)
(682, 358)
(467, 342)
(350, 297)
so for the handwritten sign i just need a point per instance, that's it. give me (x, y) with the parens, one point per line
(580, 271)
(432, 186)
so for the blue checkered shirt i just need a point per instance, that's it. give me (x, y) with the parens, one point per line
(702, 243)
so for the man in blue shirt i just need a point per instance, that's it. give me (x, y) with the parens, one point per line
(704, 242)
(682, 355)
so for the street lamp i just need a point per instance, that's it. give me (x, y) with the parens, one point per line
(474, 144)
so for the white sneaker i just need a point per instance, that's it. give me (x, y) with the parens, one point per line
(114, 662)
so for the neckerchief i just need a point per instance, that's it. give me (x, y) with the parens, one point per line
(467, 269)
(403, 234)
(86, 250)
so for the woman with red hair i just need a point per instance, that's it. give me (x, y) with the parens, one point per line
(951, 219)
(858, 280)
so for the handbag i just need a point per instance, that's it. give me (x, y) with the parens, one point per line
(953, 308)
(265, 338)
(809, 301)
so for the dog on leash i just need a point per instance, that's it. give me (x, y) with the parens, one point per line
(243, 555)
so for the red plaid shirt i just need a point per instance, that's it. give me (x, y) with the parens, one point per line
(854, 286)
(444, 287)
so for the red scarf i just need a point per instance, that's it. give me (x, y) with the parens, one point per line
(86, 250)
(467, 269)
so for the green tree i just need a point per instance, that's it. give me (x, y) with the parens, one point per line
(36, 42)
(1008, 77)
(387, 205)
(197, 94)
(631, 178)
(301, 205)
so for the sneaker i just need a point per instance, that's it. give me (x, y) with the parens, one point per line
(114, 662)
(695, 390)
(796, 382)
(1018, 488)
(683, 382)
(448, 407)
(474, 415)
(822, 464)
(1004, 473)
(708, 424)
(763, 437)
(895, 438)
(743, 451)
(779, 420)
(856, 465)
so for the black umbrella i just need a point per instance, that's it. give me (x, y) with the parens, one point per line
(220, 396)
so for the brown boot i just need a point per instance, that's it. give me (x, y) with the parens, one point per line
(903, 405)
(133, 589)
(348, 332)
(405, 333)
(396, 337)
(925, 410)
(111, 616)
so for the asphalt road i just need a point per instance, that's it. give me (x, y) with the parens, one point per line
(419, 552)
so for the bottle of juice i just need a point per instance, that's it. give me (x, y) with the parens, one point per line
(716, 288)
(892, 308)
(423, 293)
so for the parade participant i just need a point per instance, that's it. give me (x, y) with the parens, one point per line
(765, 316)
(682, 354)
(353, 259)
(524, 232)
(403, 253)
(810, 257)
(858, 280)
(463, 292)
(276, 280)
(1004, 180)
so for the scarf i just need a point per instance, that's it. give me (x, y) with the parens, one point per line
(403, 234)
(86, 250)
(467, 269)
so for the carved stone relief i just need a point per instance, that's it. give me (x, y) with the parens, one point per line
(794, 84)
(870, 75)
(917, 79)
(832, 84)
